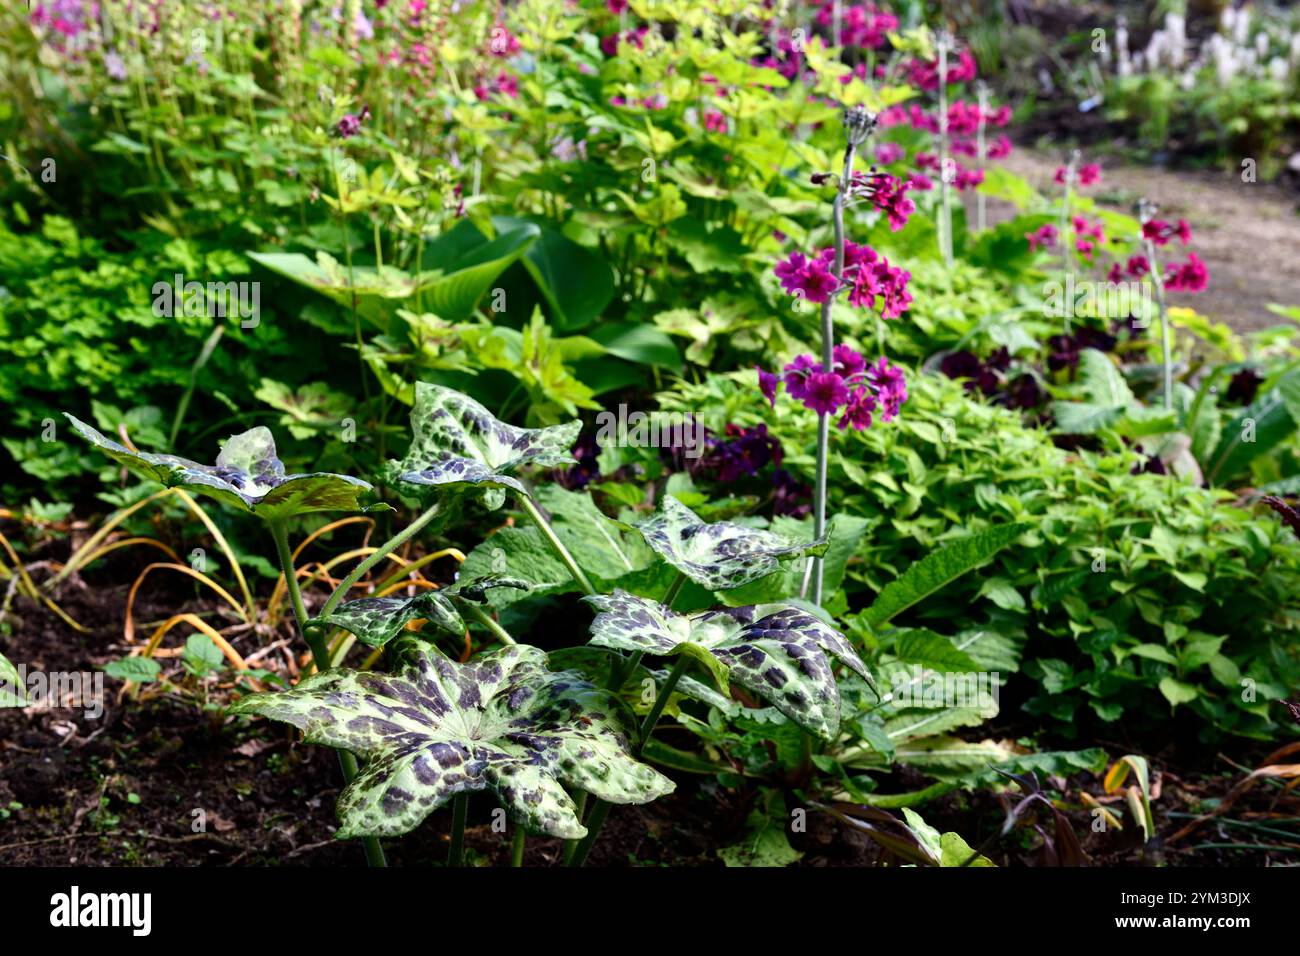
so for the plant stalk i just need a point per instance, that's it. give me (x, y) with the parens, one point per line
(556, 544)
(321, 658)
(491, 623)
(517, 844)
(459, 810)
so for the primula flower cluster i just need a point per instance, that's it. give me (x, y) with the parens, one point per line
(1161, 232)
(1089, 174)
(852, 386)
(926, 74)
(887, 193)
(1044, 237)
(867, 276)
(864, 26)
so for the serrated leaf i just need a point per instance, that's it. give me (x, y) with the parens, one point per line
(722, 555)
(138, 669)
(775, 651)
(456, 441)
(435, 728)
(248, 476)
(939, 568)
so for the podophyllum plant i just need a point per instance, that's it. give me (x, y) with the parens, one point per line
(431, 730)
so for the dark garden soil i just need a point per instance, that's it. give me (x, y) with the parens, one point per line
(1248, 234)
(128, 788)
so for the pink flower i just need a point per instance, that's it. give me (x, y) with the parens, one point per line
(616, 6)
(810, 277)
(999, 148)
(768, 383)
(1191, 276)
(715, 122)
(796, 375)
(848, 363)
(891, 387)
(1044, 236)
(857, 413)
(887, 153)
(825, 392)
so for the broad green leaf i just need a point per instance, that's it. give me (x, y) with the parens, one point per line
(954, 851)
(1255, 431)
(576, 282)
(939, 568)
(456, 441)
(434, 728)
(722, 555)
(775, 651)
(1177, 692)
(376, 621)
(467, 263)
(247, 475)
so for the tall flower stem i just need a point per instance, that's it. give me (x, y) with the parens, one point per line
(981, 210)
(320, 655)
(943, 42)
(858, 125)
(1147, 212)
(556, 544)
(1066, 237)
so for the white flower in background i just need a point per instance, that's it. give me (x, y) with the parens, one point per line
(1241, 27)
(1123, 65)
(1176, 39)
(1278, 69)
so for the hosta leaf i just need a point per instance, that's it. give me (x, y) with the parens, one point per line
(776, 651)
(459, 442)
(376, 621)
(434, 728)
(248, 475)
(721, 555)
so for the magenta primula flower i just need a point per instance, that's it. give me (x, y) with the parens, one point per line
(1161, 232)
(1044, 236)
(811, 278)
(796, 375)
(1191, 276)
(768, 383)
(825, 392)
(857, 413)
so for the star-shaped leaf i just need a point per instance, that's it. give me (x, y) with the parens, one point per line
(248, 475)
(459, 442)
(435, 728)
(776, 651)
(722, 555)
(376, 621)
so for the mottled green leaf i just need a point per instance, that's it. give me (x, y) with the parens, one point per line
(376, 621)
(456, 441)
(776, 651)
(247, 475)
(434, 728)
(721, 555)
